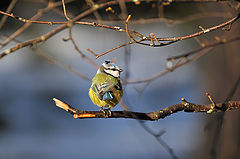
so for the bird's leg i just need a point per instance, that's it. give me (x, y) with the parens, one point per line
(107, 112)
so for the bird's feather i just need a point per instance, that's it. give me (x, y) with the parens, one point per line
(105, 90)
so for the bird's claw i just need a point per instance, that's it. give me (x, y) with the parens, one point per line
(107, 112)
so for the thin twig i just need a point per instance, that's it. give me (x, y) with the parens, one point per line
(79, 51)
(126, 26)
(117, 47)
(10, 7)
(65, 12)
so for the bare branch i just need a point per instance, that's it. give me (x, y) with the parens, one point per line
(53, 32)
(168, 41)
(184, 106)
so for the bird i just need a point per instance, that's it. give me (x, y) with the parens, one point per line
(106, 88)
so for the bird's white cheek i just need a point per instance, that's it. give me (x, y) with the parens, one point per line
(116, 74)
(113, 73)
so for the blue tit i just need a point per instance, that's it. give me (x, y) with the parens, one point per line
(106, 89)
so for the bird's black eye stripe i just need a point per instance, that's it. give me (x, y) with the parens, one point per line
(113, 69)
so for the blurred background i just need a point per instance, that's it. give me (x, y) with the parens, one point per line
(31, 126)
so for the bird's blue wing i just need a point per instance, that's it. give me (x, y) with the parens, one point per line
(107, 96)
(104, 91)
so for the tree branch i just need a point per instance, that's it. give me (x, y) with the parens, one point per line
(183, 106)
(146, 39)
(168, 40)
(53, 32)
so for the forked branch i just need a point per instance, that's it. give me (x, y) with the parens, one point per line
(183, 106)
(144, 40)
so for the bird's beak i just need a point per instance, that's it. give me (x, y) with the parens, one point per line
(120, 70)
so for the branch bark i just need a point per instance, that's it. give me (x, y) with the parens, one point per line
(152, 116)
